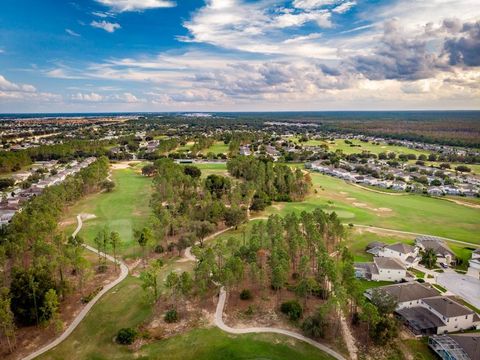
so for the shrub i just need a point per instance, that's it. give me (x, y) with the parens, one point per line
(171, 316)
(246, 294)
(292, 309)
(159, 249)
(126, 336)
(314, 326)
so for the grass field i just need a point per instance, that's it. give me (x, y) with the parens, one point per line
(211, 168)
(413, 213)
(124, 209)
(339, 144)
(217, 148)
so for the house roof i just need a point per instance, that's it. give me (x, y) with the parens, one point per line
(438, 245)
(409, 291)
(420, 318)
(375, 244)
(388, 263)
(470, 343)
(447, 307)
(401, 247)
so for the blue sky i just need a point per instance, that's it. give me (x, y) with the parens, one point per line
(243, 55)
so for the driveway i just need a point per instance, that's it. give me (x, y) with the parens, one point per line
(467, 287)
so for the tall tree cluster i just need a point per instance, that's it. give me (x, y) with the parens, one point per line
(35, 256)
(271, 182)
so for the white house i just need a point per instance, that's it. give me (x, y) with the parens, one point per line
(425, 312)
(444, 253)
(474, 265)
(407, 254)
(381, 269)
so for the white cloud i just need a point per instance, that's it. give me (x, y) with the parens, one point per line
(105, 25)
(87, 97)
(6, 85)
(136, 5)
(344, 7)
(312, 4)
(72, 33)
(10, 91)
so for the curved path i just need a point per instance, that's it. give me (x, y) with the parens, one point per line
(219, 322)
(188, 256)
(86, 309)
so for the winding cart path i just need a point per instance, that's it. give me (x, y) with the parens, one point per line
(76, 321)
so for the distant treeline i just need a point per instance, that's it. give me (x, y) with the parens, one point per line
(15, 160)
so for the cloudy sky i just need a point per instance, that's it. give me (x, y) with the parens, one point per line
(242, 55)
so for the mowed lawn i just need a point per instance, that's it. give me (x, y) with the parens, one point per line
(414, 213)
(124, 209)
(211, 168)
(339, 144)
(219, 147)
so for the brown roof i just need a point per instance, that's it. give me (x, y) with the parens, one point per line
(409, 291)
(447, 307)
(438, 245)
(402, 248)
(470, 343)
(388, 263)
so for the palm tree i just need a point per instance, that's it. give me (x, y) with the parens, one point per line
(429, 258)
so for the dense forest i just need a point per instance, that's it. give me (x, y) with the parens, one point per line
(271, 181)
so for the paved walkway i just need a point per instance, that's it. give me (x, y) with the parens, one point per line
(86, 309)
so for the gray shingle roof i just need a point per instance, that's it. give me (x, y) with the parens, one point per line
(409, 291)
(402, 248)
(470, 343)
(388, 263)
(447, 307)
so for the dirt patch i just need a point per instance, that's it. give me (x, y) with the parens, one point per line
(123, 165)
(351, 198)
(382, 209)
(343, 193)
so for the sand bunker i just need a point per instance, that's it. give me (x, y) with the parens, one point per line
(123, 165)
(359, 204)
(384, 209)
(343, 193)
(352, 199)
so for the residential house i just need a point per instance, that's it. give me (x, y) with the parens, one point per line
(407, 254)
(381, 269)
(474, 265)
(425, 312)
(444, 254)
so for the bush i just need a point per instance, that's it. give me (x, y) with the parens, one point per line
(159, 249)
(126, 336)
(314, 326)
(246, 294)
(292, 309)
(171, 316)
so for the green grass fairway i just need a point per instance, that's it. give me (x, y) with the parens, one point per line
(217, 148)
(339, 144)
(124, 209)
(413, 213)
(213, 344)
(211, 168)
